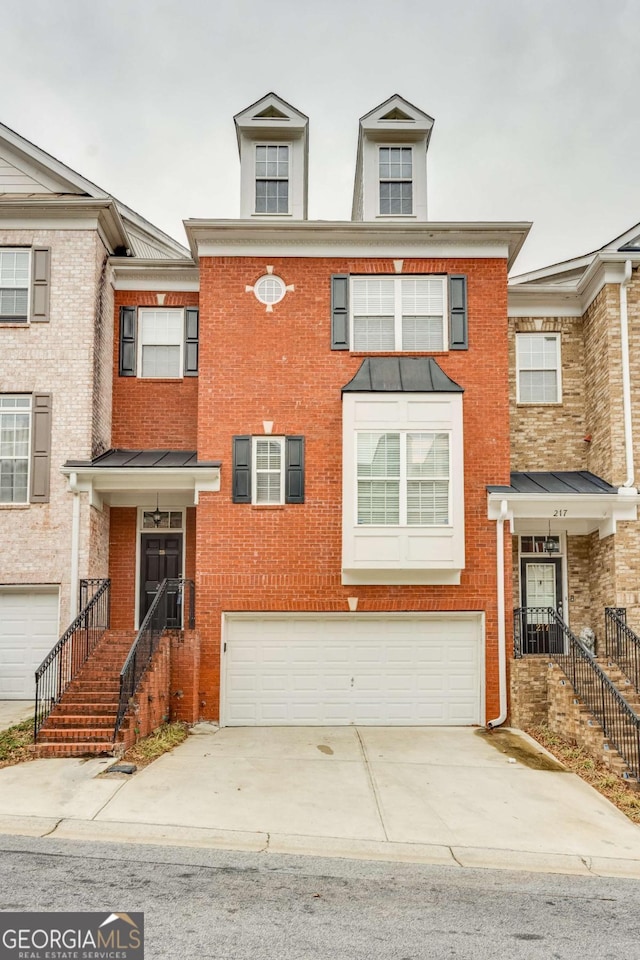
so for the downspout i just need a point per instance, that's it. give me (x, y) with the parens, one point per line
(75, 544)
(502, 641)
(629, 485)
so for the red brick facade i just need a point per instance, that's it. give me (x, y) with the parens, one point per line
(279, 366)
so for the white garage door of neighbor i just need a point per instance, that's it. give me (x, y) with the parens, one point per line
(352, 669)
(28, 631)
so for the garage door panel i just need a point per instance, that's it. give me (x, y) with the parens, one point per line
(352, 670)
(28, 631)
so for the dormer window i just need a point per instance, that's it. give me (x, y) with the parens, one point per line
(396, 181)
(272, 178)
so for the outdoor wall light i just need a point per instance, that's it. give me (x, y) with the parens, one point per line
(156, 516)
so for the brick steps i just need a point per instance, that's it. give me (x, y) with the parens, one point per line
(82, 723)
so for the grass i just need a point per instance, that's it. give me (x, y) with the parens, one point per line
(15, 743)
(577, 760)
(165, 738)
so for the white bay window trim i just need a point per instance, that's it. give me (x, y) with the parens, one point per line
(399, 314)
(403, 553)
(539, 369)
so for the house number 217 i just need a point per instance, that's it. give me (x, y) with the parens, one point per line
(560, 513)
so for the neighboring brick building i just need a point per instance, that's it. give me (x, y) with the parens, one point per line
(575, 359)
(57, 234)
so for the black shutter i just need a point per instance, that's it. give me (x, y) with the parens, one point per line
(340, 312)
(458, 334)
(40, 448)
(294, 460)
(241, 492)
(191, 342)
(128, 341)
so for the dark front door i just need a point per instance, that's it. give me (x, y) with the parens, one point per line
(161, 557)
(541, 581)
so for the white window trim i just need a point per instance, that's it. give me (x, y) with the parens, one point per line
(403, 480)
(140, 344)
(254, 470)
(288, 178)
(29, 250)
(546, 403)
(397, 315)
(29, 411)
(381, 180)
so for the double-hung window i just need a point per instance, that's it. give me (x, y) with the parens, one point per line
(399, 313)
(160, 344)
(268, 469)
(403, 478)
(538, 364)
(14, 284)
(272, 178)
(395, 171)
(15, 447)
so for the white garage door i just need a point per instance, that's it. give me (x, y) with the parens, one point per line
(352, 669)
(28, 630)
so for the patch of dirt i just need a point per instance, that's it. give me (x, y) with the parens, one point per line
(513, 745)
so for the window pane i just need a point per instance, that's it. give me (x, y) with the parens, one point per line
(428, 455)
(13, 481)
(378, 455)
(378, 502)
(427, 502)
(267, 488)
(373, 333)
(537, 352)
(14, 435)
(538, 386)
(268, 454)
(422, 333)
(373, 296)
(161, 361)
(161, 326)
(14, 268)
(13, 303)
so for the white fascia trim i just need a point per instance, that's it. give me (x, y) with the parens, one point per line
(582, 505)
(241, 238)
(550, 300)
(67, 214)
(104, 480)
(154, 275)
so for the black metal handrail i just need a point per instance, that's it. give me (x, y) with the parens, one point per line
(63, 662)
(620, 723)
(172, 607)
(87, 588)
(622, 644)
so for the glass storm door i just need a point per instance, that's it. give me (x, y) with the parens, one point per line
(541, 588)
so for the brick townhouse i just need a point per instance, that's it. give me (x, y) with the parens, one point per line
(357, 439)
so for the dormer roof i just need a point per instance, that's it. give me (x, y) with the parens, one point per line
(273, 116)
(396, 118)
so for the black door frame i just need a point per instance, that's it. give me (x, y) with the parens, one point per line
(545, 636)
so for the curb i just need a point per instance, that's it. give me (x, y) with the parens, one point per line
(113, 831)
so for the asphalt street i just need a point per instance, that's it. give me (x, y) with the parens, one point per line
(202, 904)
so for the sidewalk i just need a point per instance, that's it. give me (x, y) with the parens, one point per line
(421, 795)
(14, 711)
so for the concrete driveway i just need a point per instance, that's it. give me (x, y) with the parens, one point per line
(444, 795)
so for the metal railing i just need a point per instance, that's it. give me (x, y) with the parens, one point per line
(622, 644)
(536, 632)
(87, 588)
(72, 650)
(620, 723)
(173, 607)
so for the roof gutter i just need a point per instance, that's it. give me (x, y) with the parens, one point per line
(628, 488)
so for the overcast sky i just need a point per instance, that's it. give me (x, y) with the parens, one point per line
(536, 102)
